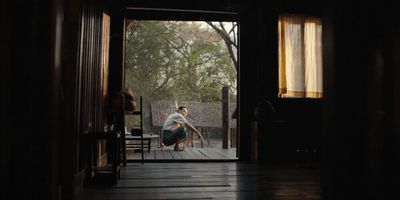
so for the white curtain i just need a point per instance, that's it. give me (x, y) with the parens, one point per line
(300, 56)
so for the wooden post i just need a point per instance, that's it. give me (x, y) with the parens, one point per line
(189, 139)
(233, 137)
(116, 67)
(202, 141)
(225, 117)
(254, 142)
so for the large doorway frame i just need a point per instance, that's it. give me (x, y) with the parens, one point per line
(218, 13)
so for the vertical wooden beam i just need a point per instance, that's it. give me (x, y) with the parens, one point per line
(202, 134)
(191, 138)
(71, 155)
(254, 141)
(117, 44)
(116, 61)
(233, 137)
(225, 117)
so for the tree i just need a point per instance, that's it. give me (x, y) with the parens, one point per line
(229, 37)
(184, 60)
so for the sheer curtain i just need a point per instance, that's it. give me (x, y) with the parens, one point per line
(300, 56)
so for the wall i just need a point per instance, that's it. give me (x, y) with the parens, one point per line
(50, 92)
(361, 138)
(30, 60)
(259, 83)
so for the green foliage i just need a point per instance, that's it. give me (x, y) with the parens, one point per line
(167, 60)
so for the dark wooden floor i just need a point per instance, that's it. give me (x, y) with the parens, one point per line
(190, 153)
(209, 180)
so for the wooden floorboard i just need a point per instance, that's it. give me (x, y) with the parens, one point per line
(212, 150)
(158, 155)
(190, 153)
(208, 180)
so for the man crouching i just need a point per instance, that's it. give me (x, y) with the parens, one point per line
(174, 131)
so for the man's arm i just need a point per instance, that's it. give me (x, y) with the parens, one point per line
(193, 129)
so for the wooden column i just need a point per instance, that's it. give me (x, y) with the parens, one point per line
(116, 62)
(225, 117)
(202, 134)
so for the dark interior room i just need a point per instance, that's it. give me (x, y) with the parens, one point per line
(62, 64)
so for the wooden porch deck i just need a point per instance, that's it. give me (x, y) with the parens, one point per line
(190, 153)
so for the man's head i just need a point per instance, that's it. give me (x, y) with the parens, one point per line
(183, 110)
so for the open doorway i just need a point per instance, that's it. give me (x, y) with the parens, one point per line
(169, 63)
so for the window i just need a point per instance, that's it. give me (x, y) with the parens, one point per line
(300, 56)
